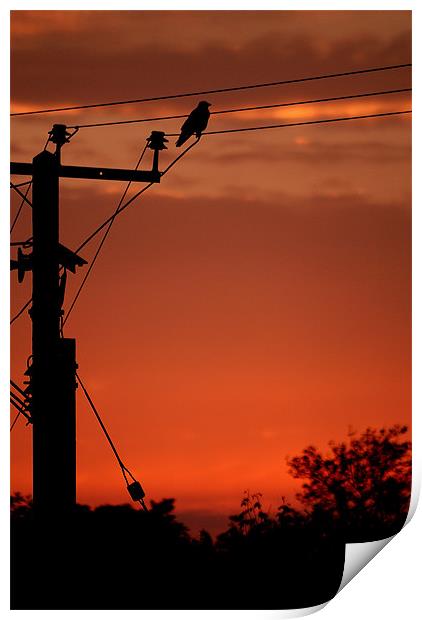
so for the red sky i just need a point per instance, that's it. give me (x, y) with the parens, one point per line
(258, 299)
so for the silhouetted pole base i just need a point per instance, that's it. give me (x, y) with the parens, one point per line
(54, 437)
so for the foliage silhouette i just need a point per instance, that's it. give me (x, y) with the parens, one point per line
(362, 487)
(116, 557)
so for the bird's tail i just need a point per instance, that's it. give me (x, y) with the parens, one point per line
(181, 140)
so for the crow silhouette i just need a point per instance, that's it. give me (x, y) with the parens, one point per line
(195, 123)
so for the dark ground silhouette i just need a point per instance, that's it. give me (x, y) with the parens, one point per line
(116, 557)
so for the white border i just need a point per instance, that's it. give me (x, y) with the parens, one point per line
(388, 588)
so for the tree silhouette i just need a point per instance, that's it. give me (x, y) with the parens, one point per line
(362, 487)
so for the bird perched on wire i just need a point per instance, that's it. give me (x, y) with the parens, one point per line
(195, 123)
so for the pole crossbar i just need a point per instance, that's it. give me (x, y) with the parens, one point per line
(96, 173)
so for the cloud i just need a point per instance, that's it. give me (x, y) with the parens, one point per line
(109, 57)
(307, 150)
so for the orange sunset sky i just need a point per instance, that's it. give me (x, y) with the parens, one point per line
(258, 299)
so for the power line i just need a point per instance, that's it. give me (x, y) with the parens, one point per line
(123, 467)
(99, 229)
(20, 206)
(101, 423)
(23, 184)
(14, 421)
(24, 244)
(103, 239)
(330, 120)
(20, 409)
(216, 90)
(111, 219)
(21, 194)
(324, 120)
(17, 388)
(124, 206)
(18, 404)
(16, 187)
(180, 156)
(224, 131)
(248, 109)
(21, 311)
(17, 399)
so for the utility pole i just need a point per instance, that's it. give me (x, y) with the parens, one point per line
(52, 373)
(53, 367)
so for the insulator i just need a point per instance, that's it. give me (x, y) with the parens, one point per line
(59, 134)
(156, 141)
(136, 491)
(68, 259)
